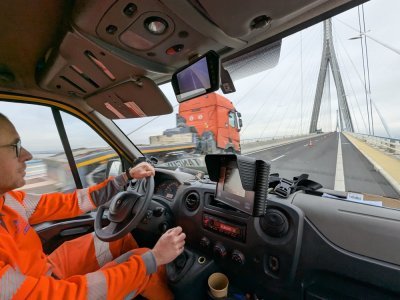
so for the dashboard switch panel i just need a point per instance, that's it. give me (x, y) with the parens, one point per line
(220, 250)
(238, 257)
(205, 242)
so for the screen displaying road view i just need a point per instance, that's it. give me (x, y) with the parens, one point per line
(232, 183)
(329, 109)
(194, 80)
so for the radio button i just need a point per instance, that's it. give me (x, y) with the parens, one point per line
(238, 257)
(219, 250)
(205, 242)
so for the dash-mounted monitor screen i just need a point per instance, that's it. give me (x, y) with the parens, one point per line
(194, 78)
(200, 77)
(230, 189)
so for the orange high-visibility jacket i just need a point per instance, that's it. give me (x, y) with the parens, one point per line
(24, 268)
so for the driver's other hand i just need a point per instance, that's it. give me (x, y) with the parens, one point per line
(142, 170)
(169, 246)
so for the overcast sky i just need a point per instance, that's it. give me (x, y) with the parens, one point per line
(275, 103)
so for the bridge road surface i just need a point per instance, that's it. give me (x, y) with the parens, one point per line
(318, 157)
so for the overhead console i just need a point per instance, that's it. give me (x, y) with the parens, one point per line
(111, 53)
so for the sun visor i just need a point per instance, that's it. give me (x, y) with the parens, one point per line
(135, 98)
(115, 85)
(253, 62)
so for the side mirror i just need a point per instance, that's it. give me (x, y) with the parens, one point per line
(114, 167)
(239, 117)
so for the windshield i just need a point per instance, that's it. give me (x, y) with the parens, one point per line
(328, 109)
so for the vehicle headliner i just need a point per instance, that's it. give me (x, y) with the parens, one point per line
(32, 32)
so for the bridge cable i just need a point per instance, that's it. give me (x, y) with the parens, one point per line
(375, 106)
(368, 73)
(346, 74)
(252, 88)
(389, 47)
(351, 85)
(276, 106)
(293, 110)
(301, 81)
(313, 67)
(364, 71)
(148, 122)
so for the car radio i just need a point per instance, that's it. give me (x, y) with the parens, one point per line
(234, 231)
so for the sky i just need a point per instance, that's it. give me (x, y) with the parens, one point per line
(279, 101)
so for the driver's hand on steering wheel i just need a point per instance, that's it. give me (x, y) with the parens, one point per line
(142, 170)
(169, 246)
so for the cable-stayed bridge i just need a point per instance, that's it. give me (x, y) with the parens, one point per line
(343, 159)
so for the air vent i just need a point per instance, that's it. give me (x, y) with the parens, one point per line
(192, 201)
(274, 223)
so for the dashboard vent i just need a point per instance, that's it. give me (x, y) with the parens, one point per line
(192, 201)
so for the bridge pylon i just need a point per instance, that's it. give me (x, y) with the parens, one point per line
(329, 59)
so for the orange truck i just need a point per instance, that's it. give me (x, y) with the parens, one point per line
(206, 124)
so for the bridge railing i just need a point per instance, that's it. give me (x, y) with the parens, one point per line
(269, 139)
(249, 145)
(389, 145)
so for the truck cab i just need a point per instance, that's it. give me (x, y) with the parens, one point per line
(216, 120)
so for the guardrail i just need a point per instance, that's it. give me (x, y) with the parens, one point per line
(275, 138)
(388, 145)
(250, 145)
(35, 169)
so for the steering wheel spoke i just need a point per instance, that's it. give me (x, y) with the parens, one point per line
(125, 211)
(110, 228)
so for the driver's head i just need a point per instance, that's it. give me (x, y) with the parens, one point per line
(12, 167)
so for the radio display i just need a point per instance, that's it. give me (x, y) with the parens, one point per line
(221, 226)
(227, 228)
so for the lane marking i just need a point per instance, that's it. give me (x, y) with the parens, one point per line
(339, 175)
(276, 158)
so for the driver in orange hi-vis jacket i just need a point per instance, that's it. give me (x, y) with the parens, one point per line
(84, 268)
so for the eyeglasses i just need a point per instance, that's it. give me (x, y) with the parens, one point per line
(17, 146)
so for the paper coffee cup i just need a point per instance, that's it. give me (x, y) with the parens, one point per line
(218, 285)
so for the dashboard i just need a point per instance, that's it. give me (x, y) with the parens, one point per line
(288, 249)
(167, 188)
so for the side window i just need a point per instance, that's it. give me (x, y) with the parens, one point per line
(49, 170)
(90, 151)
(232, 118)
(39, 135)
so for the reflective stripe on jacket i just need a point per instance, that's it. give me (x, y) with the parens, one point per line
(24, 268)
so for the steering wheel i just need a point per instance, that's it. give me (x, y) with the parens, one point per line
(125, 211)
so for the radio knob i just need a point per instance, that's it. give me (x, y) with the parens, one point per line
(238, 257)
(205, 242)
(219, 250)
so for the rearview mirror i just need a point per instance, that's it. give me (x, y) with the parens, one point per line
(201, 76)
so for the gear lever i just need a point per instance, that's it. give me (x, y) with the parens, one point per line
(177, 269)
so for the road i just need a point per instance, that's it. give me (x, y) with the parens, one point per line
(318, 157)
